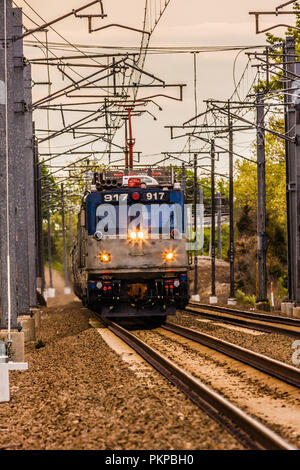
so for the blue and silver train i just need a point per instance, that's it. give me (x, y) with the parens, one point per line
(129, 258)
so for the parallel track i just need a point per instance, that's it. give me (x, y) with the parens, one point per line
(246, 429)
(255, 321)
(280, 370)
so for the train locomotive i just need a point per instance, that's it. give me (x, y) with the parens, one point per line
(129, 258)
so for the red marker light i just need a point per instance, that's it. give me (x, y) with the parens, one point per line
(135, 196)
(134, 182)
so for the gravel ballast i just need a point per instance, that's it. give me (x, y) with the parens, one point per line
(266, 398)
(273, 345)
(79, 394)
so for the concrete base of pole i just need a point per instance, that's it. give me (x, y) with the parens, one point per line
(296, 312)
(28, 328)
(4, 377)
(213, 300)
(17, 338)
(283, 308)
(265, 306)
(195, 298)
(4, 383)
(231, 301)
(45, 294)
(50, 293)
(287, 308)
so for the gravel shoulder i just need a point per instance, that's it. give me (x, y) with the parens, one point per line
(80, 394)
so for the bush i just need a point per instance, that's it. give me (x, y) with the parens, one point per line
(283, 290)
(244, 299)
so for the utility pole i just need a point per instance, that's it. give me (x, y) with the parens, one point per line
(183, 177)
(262, 296)
(70, 227)
(213, 299)
(219, 220)
(30, 190)
(202, 212)
(290, 150)
(130, 141)
(126, 149)
(195, 229)
(67, 288)
(51, 290)
(22, 260)
(296, 101)
(39, 221)
(231, 300)
(7, 175)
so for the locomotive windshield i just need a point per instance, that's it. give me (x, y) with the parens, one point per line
(155, 212)
(150, 218)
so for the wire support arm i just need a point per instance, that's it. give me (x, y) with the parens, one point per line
(63, 17)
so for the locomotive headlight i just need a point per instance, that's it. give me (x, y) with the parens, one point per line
(133, 235)
(169, 256)
(140, 235)
(176, 283)
(105, 257)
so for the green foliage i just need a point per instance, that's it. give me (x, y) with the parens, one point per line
(224, 238)
(222, 186)
(244, 299)
(49, 184)
(276, 82)
(56, 238)
(282, 283)
(246, 202)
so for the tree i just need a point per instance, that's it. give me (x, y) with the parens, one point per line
(222, 186)
(276, 82)
(246, 207)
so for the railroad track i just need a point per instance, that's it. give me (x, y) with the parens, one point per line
(280, 370)
(250, 432)
(253, 320)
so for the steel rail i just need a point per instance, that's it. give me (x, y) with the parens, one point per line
(247, 314)
(246, 429)
(253, 321)
(280, 370)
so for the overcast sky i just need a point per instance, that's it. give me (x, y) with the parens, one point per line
(190, 23)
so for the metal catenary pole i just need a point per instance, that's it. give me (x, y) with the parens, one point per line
(296, 100)
(262, 295)
(49, 237)
(30, 188)
(289, 66)
(70, 227)
(64, 235)
(219, 220)
(195, 226)
(213, 209)
(22, 259)
(183, 177)
(231, 208)
(39, 221)
(202, 208)
(7, 173)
